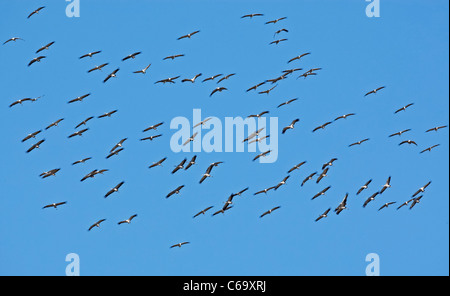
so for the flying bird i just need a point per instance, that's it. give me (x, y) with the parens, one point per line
(415, 201)
(228, 202)
(84, 122)
(251, 15)
(12, 39)
(143, 71)
(324, 215)
(188, 35)
(280, 31)
(275, 80)
(403, 108)
(151, 137)
(232, 195)
(364, 187)
(98, 67)
(371, 198)
(91, 54)
(306, 74)
(322, 175)
(359, 142)
(112, 74)
(158, 163)
(386, 186)
(264, 190)
(330, 163)
(180, 166)
(290, 71)
(54, 123)
(54, 205)
(167, 80)
(421, 189)
(202, 122)
(299, 57)
(118, 145)
(240, 192)
(37, 145)
(78, 133)
(435, 128)
(191, 162)
(32, 135)
(291, 126)
(405, 203)
(267, 91)
(345, 116)
(93, 174)
(252, 135)
(45, 47)
(20, 102)
(131, 56)
(276, 21)
(296, 167)
(202, 212)
(264, 154)
(322, 126)
(128, 221)
(258, 139)
(100, 171)
(96, 224)
(153, 127)
(37, 59)
(222, 210)
(281, 183)
(408, 142)
(179, 245)
(49, 173)
(255, 86)
(387, 205)
(287, 102)
(258, 115)
(172, 57)
(82, 160)
(278, 41)
(191, 139)
(218, 89)
(79, 99)
(225, 77)
(374, 91)
(321, 193)
(108, 114)
(36, 11)
(115, 152)
(212, 77)
(176, 191)
(342, 206)
(313, 70)
(192, 80)
(308, 178)
(399, 133)
(115, 189)
(429, 148)
(207, 173)
(269, 211)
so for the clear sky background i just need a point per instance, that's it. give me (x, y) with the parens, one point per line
(406, 49)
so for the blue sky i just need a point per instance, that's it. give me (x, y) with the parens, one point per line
(406, 49)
